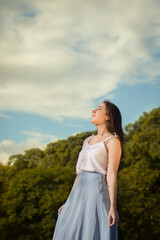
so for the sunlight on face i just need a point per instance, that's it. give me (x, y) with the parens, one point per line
(99, 108)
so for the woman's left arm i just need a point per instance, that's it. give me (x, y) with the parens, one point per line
(114, 156)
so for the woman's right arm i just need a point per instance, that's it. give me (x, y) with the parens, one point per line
(75, 180)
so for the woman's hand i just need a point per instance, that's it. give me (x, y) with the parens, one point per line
(59, 210)
(113, 215)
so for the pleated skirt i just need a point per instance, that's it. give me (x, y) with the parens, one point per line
(85, 213)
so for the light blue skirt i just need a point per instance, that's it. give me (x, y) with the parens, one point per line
(85, 213)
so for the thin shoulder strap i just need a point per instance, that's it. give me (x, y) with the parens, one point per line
(115, 135)
(90, 137)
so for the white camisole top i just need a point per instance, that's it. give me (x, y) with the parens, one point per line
(93, 157)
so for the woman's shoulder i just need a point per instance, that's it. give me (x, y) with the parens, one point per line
(113, 140)
(86, 140)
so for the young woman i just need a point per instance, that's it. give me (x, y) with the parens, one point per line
(90, 210)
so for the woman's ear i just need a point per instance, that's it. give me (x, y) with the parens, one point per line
(107, 118)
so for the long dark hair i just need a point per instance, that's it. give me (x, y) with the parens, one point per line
(114, 124)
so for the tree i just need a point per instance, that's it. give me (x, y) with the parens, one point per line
(139, 180)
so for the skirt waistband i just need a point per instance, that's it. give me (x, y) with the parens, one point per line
(89, 174)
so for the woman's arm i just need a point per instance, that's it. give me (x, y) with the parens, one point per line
(75, 180)
(114, 156)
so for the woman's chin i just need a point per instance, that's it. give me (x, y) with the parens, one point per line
(93, 121)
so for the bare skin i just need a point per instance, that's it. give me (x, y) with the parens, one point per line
(114, 150)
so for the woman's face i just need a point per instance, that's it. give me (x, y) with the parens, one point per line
(99, 115)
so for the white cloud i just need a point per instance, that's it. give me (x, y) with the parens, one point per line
(40, 136)
(36, 139)
(57, 56)
(3, 115)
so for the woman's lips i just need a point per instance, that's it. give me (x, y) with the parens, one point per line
(93, 115)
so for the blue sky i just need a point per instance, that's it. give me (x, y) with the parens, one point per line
(131, 100)
(60, 59)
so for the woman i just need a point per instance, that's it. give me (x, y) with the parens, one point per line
(90, 211)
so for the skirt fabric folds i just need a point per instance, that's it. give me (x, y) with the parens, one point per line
(85, 213)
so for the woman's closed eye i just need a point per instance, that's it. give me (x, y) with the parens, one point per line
(97, 109)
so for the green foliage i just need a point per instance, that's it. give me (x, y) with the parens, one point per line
(34, 185)
(32, 199)
(139, 180)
